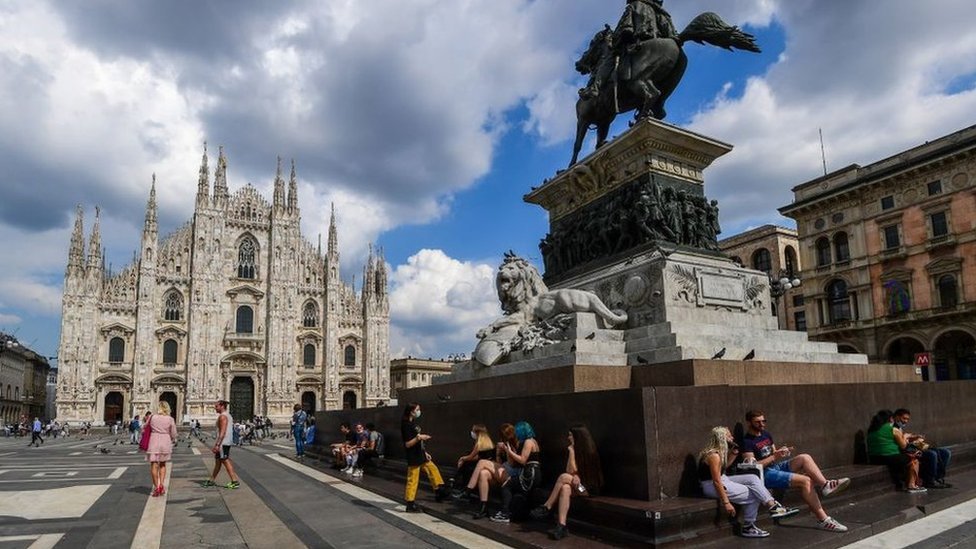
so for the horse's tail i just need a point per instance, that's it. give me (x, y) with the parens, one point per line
(709, 28)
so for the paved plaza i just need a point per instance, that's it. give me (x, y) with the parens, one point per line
(94, 492)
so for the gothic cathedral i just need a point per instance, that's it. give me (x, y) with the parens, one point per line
(236, 304)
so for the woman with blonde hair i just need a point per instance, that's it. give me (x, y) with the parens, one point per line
(483, 448)
(488, 472)
(746, 490)
(162, 437)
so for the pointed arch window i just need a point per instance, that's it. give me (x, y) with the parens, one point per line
(170, 347)
(173, 306)
(246, 254)
(116, 349)
(350, 356)
(308, 355)
(245, 320)
(310, 315)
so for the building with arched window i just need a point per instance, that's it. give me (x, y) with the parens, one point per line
(773, 250)
(235, 304)
(23, 382)
(892, 249)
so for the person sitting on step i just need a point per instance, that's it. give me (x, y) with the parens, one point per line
(781, 470)
(482, 449)
(933, 461)
(746, 490)
(522, 467)
(492, 472)
(583, 477)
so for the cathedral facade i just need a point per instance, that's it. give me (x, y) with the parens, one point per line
(235, 304)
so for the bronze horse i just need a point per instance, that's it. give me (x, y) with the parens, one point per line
(645, 75)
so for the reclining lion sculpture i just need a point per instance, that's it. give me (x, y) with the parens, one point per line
(527, 301)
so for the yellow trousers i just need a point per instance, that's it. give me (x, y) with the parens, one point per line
(413, 478)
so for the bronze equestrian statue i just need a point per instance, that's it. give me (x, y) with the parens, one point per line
(637, 65)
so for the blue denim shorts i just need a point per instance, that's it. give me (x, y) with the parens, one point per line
(777, 475)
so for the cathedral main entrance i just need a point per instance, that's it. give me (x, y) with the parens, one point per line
(308, 402)
(349, 400)
(113, 407)
(169, 397)
(242, 398)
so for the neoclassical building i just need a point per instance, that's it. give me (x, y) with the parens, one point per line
(234, 304)
(889, 255)
(772, 250)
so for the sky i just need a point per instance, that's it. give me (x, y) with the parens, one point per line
(424, 122)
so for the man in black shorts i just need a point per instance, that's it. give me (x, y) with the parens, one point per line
(221, 447)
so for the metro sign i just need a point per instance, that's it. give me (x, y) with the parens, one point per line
(923, 359)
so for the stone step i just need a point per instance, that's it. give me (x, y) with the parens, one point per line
(719, 318)
(686, 520)
(714, 343)
(665, 328)
(669, 354)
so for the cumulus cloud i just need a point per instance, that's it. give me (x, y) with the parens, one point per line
(391, 108)
(438, 303)
(878, 85)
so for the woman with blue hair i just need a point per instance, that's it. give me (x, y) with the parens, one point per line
(522, 468)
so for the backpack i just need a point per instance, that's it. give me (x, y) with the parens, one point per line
(380, 444)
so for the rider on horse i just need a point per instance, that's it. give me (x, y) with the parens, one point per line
(642, 20)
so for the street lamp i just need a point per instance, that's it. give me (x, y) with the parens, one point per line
(8, 343)
(778, 287)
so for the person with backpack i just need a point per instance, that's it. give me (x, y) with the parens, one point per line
(135, 430)
(298, 420)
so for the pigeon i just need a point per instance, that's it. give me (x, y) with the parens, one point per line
(115, 443)
(104, 450)
(751, 355)
(641, 360)
(573, 348)
(591, 336)
(443, 398)
(719, 354)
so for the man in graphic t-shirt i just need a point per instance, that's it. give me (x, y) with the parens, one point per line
(781, 471)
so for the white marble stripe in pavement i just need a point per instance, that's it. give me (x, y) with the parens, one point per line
(150, 530)
(433, 525)
(921, 529)
(41, 541)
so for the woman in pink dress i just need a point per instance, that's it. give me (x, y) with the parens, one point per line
(161, 440)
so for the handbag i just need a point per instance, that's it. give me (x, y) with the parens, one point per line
(144, 441)
(530, 476)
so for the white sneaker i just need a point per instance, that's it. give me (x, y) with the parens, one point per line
(831, 525)
(347, 470)
(357, 473)
(835, 486)
(753, 531)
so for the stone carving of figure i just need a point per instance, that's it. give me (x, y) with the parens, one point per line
(526, 301)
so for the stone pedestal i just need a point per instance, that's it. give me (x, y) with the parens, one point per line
(640, 190)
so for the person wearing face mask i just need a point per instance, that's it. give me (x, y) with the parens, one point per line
(418, 458)
(483, 448)
(933, 461)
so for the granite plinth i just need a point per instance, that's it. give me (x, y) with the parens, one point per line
(749, 372)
